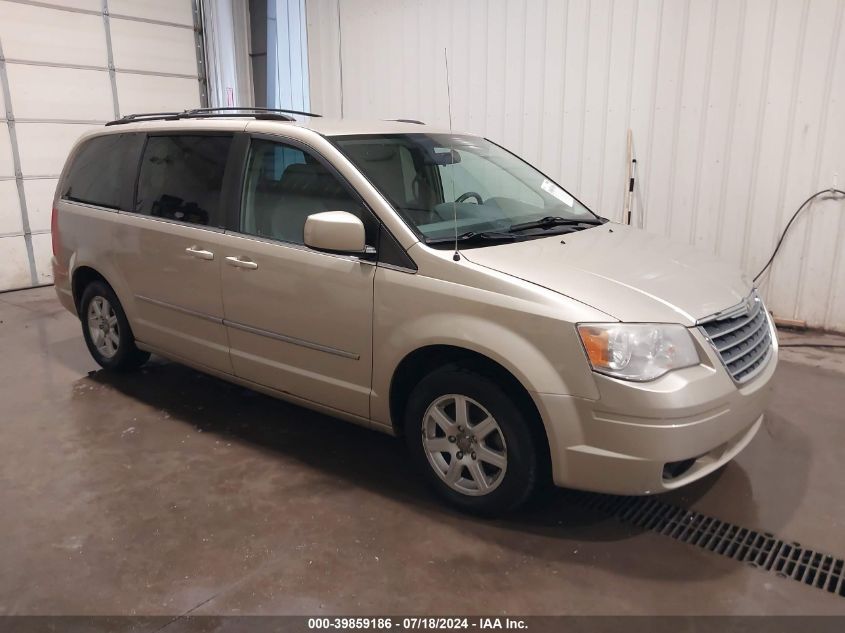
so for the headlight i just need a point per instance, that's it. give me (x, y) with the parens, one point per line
(635, 351)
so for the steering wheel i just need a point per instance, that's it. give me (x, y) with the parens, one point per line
(470, 194)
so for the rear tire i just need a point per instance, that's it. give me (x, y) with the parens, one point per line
(471, 441)
(106, 330)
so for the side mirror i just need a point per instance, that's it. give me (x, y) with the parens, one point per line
(335, 232)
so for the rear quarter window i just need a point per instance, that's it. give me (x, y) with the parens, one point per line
(102, 171)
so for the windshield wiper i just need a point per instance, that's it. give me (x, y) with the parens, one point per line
(551, 221)
(472, 236)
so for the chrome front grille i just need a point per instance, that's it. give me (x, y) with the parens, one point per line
(742, 337)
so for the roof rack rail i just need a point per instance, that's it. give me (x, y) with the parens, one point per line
(277, 114)
(407, 121)
(254, 109)
(147, 116)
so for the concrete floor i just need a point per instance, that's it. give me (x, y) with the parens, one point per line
(167, 491)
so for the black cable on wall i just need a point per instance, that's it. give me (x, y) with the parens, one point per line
(830, 191)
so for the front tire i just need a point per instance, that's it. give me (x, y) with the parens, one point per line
(106, 330)
(471, 441)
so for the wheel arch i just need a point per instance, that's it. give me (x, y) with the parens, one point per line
(424, 360)
(80, 279)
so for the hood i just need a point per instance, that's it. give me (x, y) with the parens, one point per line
(625, 272)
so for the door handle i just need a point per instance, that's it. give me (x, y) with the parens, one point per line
(240, 262)
(197, 252)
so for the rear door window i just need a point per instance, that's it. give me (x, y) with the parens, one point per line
(102, 171)
(181, 178)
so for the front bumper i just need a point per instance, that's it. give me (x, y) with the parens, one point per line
(693, 420)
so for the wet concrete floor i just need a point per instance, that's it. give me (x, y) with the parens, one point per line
(167, 492)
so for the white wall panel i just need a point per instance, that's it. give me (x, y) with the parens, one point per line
(323, 57)
(43, 147)
(147, 93)
(287, 55)
(808, 135)
(737, 110)
(14, 273)
(153, 47)
(828, 220)
(40, 34)
(39, 202)
(87, 5)
(44, 92)
(42, 245)
(176, 11)
(226, 31)
(7, 166)
(10, 218)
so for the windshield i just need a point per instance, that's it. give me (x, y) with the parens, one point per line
(441, 183)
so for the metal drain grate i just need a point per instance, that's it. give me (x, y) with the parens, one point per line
(759, 549)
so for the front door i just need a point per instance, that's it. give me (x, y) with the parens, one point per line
(298, 320)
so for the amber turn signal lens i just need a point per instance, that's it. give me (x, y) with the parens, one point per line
(595, 342)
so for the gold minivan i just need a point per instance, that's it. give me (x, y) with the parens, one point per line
(420, 282)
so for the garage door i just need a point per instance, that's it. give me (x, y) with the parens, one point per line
(67, 67)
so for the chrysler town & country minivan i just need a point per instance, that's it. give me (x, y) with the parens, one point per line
(420, 282)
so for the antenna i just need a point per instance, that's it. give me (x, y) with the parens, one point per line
(457, 255)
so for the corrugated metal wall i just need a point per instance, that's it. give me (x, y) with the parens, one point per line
(737, 109)
(228, 59)
(287, 55)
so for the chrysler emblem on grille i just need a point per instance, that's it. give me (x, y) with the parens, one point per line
(744, 308)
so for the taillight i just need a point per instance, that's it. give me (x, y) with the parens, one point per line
(54, 231)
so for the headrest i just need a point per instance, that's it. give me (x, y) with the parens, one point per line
(374, 152)
(310, 179)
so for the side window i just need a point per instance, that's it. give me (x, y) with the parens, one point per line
(181, 178)
(100, 171)
(284, 185)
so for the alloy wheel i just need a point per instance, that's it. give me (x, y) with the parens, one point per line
(464, 444)
(103, 326)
